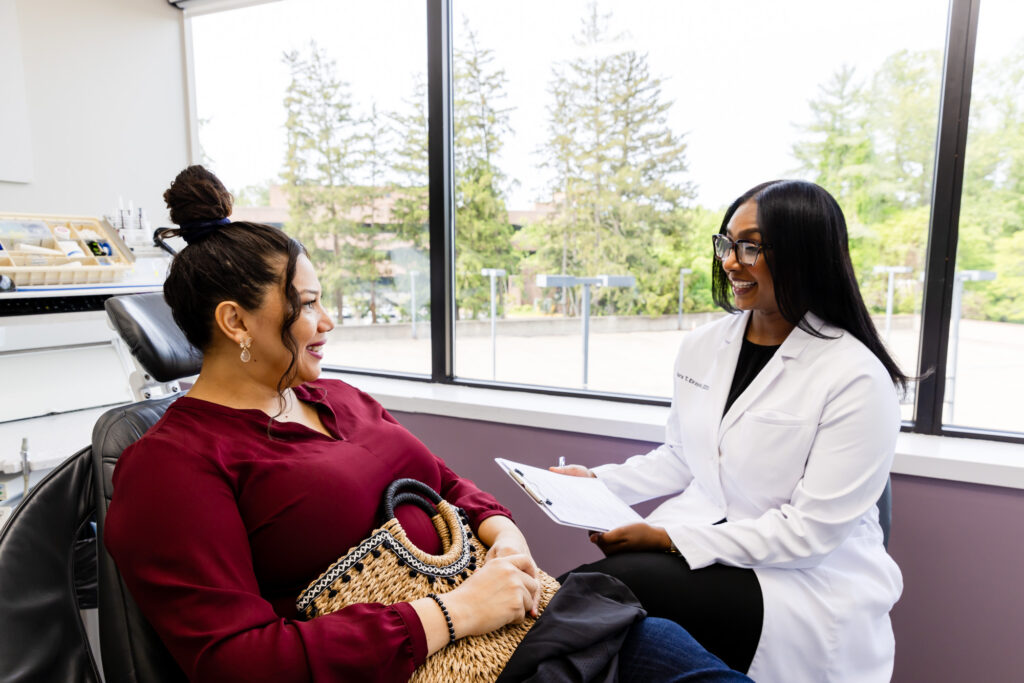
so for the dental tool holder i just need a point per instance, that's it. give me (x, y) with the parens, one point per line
(38, 250)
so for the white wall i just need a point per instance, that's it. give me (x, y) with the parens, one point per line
(105, 83)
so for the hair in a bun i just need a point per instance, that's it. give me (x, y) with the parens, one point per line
(224, 261)
(197, 196)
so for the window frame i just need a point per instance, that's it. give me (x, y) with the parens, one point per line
(947, 185)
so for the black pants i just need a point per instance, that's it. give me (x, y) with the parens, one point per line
(720, 606)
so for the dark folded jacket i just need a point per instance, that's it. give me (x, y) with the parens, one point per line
(579, 636)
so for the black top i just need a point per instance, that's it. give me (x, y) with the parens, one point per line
(753, 357)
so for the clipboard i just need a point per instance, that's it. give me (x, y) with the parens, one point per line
(581, 502)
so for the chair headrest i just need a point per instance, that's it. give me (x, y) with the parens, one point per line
(145, 323)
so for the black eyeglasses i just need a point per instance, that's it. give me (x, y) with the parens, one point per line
(746, 251)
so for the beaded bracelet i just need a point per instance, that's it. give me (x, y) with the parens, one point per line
(447, 617)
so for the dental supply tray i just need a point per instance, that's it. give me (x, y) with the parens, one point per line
(40, 250)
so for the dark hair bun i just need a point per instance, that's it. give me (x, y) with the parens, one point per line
(196, 196)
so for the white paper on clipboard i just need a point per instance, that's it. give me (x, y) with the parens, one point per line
(581, 502)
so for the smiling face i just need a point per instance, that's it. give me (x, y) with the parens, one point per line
(752, 286)
(309, 330)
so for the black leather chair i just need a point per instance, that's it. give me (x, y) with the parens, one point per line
(885, 511)
(132, 651)
(47, 575)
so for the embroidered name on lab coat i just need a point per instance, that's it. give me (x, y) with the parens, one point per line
(692, 381)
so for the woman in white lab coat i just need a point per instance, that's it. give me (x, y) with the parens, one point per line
(779, 442)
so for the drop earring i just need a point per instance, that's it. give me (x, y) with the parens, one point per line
(245, 356)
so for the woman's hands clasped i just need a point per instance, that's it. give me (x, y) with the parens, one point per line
(510, 542)
(502, 591)
(498, 593)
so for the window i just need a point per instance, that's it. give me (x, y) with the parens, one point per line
(583, 153)
(614, 143)
(317, 118)
(986, 336)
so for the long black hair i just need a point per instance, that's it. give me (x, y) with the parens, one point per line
(224, 261)
(809, 261)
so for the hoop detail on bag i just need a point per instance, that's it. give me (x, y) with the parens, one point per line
(387, 568)
(385, 538)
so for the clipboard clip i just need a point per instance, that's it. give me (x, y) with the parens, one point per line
(528, 487)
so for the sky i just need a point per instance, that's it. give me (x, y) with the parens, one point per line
(740, 73)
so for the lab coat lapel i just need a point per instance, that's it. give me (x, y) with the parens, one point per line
(788, 352)
(727, 355)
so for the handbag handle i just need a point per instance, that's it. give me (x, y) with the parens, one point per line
(410, 491)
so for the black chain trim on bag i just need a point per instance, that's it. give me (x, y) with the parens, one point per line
(385, 538)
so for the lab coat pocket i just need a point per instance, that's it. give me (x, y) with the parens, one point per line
(766, 452)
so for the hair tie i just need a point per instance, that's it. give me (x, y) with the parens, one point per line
(196, 231)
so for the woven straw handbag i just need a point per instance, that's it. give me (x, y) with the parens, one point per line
(387, 568)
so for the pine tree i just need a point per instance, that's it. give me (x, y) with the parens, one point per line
(410, 165)
(367, 249)
(321, 137)
(873, 147)
(617, 173)
(483, 234)
(410, 208)
(839, 155)
(904, 100)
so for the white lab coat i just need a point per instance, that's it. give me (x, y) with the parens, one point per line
(795, 468)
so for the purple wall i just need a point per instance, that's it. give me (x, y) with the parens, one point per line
(961, 549)
(960, 546)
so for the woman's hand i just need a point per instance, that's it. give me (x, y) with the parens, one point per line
(511, 542)
(505, 540)
(498, 593)
(632, 537)
(574, 471)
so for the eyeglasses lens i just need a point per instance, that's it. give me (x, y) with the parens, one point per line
(747, 253)
(722, 246)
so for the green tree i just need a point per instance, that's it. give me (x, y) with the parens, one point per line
(410, 207)
(904, 101)
(992, 207)
(410, 165)
(617, 175)
(367, 250)
(321, 136)
(483, 234)
(873, 146)
(839, 153)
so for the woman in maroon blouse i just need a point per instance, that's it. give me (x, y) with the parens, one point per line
(257, 479)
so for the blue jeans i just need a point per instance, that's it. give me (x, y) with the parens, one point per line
(661, 651)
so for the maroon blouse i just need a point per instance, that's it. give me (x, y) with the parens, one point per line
(221, 517)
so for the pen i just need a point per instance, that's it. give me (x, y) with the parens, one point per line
(521, 478)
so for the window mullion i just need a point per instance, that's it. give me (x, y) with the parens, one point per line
(442, 208)
(958, 66)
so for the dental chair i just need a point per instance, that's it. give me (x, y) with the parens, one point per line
(53, 564)
(132, 651)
